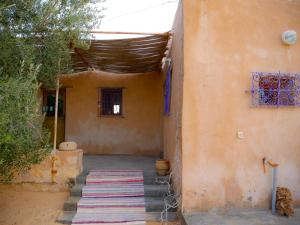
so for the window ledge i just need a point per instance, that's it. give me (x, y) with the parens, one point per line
(112, 116)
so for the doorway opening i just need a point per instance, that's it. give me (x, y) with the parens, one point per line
(49, 111)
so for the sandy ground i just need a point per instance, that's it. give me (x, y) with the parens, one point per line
(19, 207)
(30, 208)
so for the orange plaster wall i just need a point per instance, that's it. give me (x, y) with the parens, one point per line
(224, 41)
(138, 132)
(172, 123)
(68, 165)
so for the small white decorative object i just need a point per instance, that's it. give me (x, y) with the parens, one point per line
(67, 146)
(289, 37)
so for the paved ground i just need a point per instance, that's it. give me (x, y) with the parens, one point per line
(242, 218)
(118, 162)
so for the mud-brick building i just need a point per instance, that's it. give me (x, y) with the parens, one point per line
(227, 97)
(237, 85)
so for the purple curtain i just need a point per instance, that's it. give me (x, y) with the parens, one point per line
(167, 106)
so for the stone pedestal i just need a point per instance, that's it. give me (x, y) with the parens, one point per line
(68, 165)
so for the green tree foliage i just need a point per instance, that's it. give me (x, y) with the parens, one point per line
(42, 31)
(36, 41)
(23, 140)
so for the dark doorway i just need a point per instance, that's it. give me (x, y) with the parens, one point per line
(49, 110)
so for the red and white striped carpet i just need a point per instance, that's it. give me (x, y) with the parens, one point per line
(112, 197)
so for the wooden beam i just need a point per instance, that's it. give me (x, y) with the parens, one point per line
(150, 39)
(128, 48)
(80, 55)
(129, 33)
(119, 55)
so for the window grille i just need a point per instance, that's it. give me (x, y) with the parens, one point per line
(111, 102)
(275, 89)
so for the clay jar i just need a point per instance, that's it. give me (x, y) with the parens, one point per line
(162, 167)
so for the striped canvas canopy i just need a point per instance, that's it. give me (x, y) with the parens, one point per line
(131, 55)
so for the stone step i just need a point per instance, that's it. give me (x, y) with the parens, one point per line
(150, 190)
(149, 178)
(67, 216)
(145, 172)
(153, 204)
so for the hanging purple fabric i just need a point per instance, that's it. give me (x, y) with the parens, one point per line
(167, 106)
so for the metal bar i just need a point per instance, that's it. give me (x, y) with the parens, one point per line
(253, 89)
(278, 89)
(274, 190)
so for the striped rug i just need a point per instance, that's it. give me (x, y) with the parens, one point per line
(112, 197)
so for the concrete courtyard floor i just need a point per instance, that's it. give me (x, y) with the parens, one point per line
(92, 162)
(242, 218)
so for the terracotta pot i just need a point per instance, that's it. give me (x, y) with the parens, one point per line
(161, 172)
(162, 167)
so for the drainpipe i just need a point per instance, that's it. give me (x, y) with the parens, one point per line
(274, 186)
(274, 181)
(274, 190)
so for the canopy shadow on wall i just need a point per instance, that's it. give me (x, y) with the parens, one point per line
(131, 55)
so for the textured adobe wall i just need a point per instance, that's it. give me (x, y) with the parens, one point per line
(137, 132)
(172, 123)
(224, 41)
(68, 165)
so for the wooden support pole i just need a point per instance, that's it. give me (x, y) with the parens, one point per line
(130, 33)
(56, 115)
